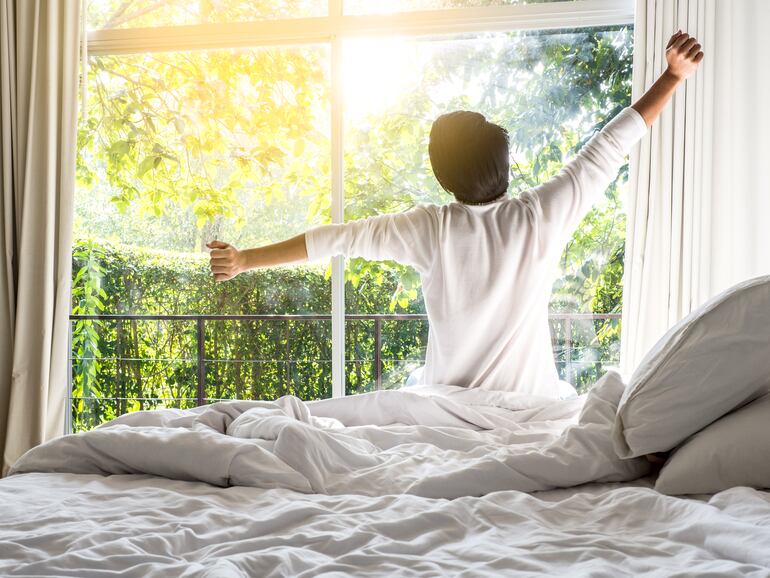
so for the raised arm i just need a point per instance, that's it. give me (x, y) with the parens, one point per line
(683, 54)
(559, 204)
(226, 261)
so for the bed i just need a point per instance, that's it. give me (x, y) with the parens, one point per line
(430, 480)
(60, 523)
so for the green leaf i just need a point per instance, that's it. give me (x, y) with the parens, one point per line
(147, 164)
(119, 148)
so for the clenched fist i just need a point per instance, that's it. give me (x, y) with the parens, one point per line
(225, 261)
(683, 54)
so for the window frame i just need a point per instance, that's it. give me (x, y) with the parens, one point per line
(332, 29)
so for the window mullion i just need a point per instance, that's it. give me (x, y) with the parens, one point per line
(338, 216)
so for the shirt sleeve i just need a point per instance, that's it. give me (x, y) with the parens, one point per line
(560, 203)
(409, 238)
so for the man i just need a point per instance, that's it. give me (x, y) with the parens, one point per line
(485, 260)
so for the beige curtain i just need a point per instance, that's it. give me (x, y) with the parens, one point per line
(699, 185)
(38, 114)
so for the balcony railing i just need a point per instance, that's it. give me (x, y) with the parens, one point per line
(563, 327)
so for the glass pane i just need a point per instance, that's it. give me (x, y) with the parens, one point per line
(178, 149)
(103, 14)
(392, 6)
(551, 90)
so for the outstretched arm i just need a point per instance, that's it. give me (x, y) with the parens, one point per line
(226, 261)
(407, 237)
(683, 54)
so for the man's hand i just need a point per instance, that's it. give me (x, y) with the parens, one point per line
(683, 54)
(225, 260)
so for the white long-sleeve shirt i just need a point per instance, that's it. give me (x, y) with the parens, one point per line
(487, 270)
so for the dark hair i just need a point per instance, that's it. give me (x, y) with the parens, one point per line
(469, 156)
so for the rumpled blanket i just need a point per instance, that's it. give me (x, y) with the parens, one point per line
(431, 441)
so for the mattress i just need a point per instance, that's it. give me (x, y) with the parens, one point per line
(139, 525)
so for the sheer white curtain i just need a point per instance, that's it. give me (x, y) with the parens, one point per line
(38, 117)
(699, 185)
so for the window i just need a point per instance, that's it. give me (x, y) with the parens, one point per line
(228, 126)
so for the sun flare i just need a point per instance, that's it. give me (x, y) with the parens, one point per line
(376, 72)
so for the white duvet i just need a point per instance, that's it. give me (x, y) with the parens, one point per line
(433, 441)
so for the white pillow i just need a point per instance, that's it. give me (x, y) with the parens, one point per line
(733, 451)
(712, 361)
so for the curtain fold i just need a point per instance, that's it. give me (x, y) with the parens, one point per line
(39, 45)
(699, 190)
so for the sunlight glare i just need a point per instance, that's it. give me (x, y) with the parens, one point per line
(376, 73)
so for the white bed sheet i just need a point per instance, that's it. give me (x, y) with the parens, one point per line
(138, 525)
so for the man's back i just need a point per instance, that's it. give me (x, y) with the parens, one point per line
(486, 295)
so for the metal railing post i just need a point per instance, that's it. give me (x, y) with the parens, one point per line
(378, 353)
(68, 412)
(568, 347)
(287, 334)
(201, 359)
